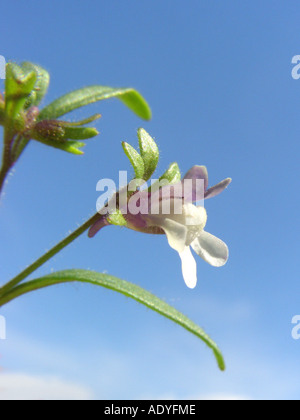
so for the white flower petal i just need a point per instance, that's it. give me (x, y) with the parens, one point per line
(192, 217)
(195, 216)
(211, 249)
(176, 234)
(189, 268)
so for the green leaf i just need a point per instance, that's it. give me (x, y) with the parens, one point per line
(149, 152)
(89, 95)
(172, 176)
(128, 289)
(136, 160)
(134, 101)
(18, 86)
(41, 84)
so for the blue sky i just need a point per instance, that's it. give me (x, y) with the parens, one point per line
(218, 79)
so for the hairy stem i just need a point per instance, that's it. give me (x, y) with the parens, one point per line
(3, 174)
(6, 163)
(42, 260)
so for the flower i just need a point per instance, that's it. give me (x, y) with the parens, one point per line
(183, 223)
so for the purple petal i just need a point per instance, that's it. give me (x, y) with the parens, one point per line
(97, 226)
(198, 172)
(217, 189)
(189, 189)
(171, 191)
(136, 222)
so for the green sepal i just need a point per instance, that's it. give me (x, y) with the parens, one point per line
(172, 176)
(136, 160)
(82, 122)
(80, 133)
(67, 146)
(47, 130)
(149, 152)
(60, 135)
(117, 218)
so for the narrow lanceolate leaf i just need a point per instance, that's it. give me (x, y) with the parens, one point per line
(78, 98)
(149, 152)
(136, 160)
(121, 286)
(82, 122)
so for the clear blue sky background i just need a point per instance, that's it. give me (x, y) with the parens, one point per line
(218, 78)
